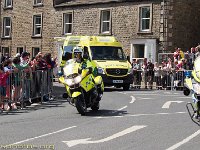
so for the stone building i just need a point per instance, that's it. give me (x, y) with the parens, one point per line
(27, 25)
(144, 27)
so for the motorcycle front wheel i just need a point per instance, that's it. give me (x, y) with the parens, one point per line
(95, 107)
(81, 106)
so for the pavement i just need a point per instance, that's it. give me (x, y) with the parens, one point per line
(127, 120)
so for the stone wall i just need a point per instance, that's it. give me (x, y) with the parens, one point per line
(185, 24)
(22, 26)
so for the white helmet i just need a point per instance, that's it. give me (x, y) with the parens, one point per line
(77, 50)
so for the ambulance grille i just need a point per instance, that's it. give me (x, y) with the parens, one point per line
(117, 72)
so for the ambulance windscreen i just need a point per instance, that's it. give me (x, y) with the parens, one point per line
(107, 53)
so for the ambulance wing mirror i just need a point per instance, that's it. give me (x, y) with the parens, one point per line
(128, 58)
(86, 53)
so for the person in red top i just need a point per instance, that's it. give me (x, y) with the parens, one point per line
(3, 83)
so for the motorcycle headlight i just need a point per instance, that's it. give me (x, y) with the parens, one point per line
(77, 79)
(69, 82)
(101, 71)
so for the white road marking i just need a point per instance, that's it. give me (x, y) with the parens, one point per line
(184, 141)
(145, 94)
(114, 136)
(167, 92)
(122, 92)
(145, 98)
(133, 100)
(167, 104)
(138, 115)
(176, 93)
(122, 108)
(43, 135)
(185, 97)
(162, 94)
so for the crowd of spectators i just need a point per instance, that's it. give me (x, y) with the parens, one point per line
(10, 78)
(166, 73)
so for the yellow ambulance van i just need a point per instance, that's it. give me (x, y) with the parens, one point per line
(106, 53)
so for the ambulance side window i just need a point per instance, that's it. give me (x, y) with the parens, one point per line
(67, 53)
(86, 53)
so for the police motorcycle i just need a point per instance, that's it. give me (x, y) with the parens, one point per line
(83, 89)
(192, 86)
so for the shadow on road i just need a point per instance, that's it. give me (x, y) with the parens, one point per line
(36, 106)
(104, 113)
(113, 89)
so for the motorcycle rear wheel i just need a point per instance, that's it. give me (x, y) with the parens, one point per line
(80, 106)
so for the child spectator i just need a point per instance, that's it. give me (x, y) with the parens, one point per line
(18, 78)
(3, 80)
(8, 67)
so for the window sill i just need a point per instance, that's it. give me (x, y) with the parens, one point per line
(38, 5)
(67, 33)
(144, 32)
(6, 38)
(36, 36)
(7, 8)
(105, 33)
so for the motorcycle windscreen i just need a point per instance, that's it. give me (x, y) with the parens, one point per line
(197, 68)
(196, 88)
(71, 67)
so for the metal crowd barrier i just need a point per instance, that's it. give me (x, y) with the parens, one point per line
(23, 88)
(173, 80)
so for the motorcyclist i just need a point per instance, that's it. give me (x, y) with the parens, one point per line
(193, 86)
(84, 61)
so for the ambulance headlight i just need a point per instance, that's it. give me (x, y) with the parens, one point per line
(101, 71)
(129, 71)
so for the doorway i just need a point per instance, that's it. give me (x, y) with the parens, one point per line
(139, 50)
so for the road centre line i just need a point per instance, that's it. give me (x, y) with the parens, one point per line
(44, 135)
(122, 108)
(145, 92)
(145, 98)
(139, 115)
(162, 94)
(184, 141)
(185, 97)
(122, 93)
(133, 99)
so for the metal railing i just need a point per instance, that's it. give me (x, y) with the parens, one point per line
(173, 80)
(22, 88)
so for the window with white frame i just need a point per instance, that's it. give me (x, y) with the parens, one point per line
(37, 25)
(67, 23)
(20, 50)
(105, 21)
(145, 18)
(37, 2)
(35, 51)
(5, 51)
(8, 3)
(6, 27)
